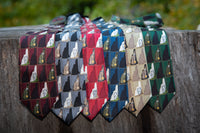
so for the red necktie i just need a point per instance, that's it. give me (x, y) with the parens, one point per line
(93, 59)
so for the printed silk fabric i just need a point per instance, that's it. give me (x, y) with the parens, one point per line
(97, 66)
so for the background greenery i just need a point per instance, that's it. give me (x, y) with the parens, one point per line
(179, 14)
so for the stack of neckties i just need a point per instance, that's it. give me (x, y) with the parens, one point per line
(77, 65)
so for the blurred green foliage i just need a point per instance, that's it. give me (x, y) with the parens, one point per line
(179, 14)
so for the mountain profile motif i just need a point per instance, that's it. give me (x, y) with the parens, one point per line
(74, 53)
(52, 74)
(163, 89)
(76, 84)
(45, 108)
(114, 46)
(168, 71)
(33, 42)
(106, 110)
(157, 104)
(69, 117)
(147, 89)
(34, 93)
(144, 74)
(154, 88)
(131, 106)
(142, 59)
(106, 44)
(163, 37)
(123, 62)
(157, 54)
(53, 92)
(44, 93)
(123, 95)
(66, 68)
(149, 56)
(66, 87)
(42, 76)
(50, 58)
(114, 62)
(34, 75)
(155, 39)
(131, 43)
(25, 76)
(74, 37)
(152, 74)
(92, 58)
(84, 41)
(166, 53)
(25, 60)
(171, 87)
(106, 59)
(133, 60)
(101, 76)
(58, 103)
(65, 53)
(135, 75)
(147, 39)
(57, 51)
(78, 100)
(42, 41)
(160, 71)
(58, 72)
(26, 92)
(94, 92)
(165, 102)
(86, 108)
(36, 109)
(42, 57)
(68, 101)
(115, 110)
(123, 78)
(33, 60)
(140, 104)
(24, 43)
(114, 79)
(75, 68)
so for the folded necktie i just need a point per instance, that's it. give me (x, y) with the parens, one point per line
(38, 85)
(114, 53)
(150, 20)
(93, 59)
(70, 71)
(159, 68)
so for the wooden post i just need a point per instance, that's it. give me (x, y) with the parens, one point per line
(181, 115)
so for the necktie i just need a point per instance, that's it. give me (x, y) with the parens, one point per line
(115, 61)
(70, 71)
(138, 83)
(93, 59)
(150, 20)
(38, 86)
(159, 67)
(159, 64)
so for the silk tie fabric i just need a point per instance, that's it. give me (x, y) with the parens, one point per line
(114, 53)
(70, 71)
(139, 89)
(94, 63)
(38, 85)
(159, 65)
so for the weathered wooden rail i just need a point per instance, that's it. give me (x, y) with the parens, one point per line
(182, 115)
